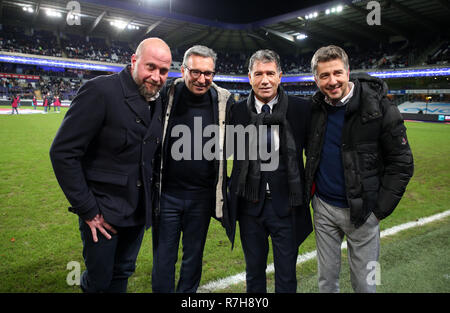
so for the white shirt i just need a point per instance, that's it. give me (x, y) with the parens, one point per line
(275, 130)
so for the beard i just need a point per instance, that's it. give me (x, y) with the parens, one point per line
(148, 94)
(335, 99)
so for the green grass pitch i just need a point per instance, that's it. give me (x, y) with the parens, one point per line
(39, 237)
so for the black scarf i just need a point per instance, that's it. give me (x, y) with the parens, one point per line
(250, 175)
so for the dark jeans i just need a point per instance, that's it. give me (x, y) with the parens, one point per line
(109, 263)
(191, 217)
(254, 232)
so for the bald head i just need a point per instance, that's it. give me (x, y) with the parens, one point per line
(150, 66)
(153, 42)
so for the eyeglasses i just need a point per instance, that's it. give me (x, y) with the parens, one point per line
(197, 73)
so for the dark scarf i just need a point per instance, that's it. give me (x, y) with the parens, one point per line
(250, 175)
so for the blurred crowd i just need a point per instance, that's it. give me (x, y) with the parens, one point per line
(65, 82)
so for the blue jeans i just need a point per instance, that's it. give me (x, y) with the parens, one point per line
(191, 217)
(109, 263)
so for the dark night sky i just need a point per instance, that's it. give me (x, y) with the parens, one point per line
(234, 11)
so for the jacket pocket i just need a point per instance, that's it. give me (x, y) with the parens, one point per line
(109, 189)
(352, 174)
(398, 134)
(368, 156)
(371, 185)
(104, 176)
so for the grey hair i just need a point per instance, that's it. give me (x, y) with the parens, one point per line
(326, 54)
(199, 50)
(264, 56)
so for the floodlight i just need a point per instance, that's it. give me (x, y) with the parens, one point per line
(28, 9)
(119, 24)
(53, 13)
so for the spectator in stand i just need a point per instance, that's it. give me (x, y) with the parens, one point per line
(14, 104)
(34, 102)
(57, 104)
(45, 104)
(49, 101)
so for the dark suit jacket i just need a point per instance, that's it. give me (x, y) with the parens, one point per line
(298, 116)
(104, 152)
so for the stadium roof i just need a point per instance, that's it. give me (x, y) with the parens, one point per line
(244, 25)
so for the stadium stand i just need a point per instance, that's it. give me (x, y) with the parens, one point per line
(383, 56)
(399, 52)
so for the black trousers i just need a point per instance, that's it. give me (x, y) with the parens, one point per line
(254, 232)
(109, 263)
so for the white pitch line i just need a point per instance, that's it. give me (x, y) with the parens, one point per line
(239, 278)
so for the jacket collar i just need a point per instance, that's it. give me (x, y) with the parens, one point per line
(130, 89)
(371, 90)
(133, 98)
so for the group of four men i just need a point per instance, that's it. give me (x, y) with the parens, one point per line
(120, 169)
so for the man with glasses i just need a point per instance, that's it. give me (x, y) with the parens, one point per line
(191, 184)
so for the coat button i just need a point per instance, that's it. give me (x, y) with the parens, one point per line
(138, 183)
(138, 120)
